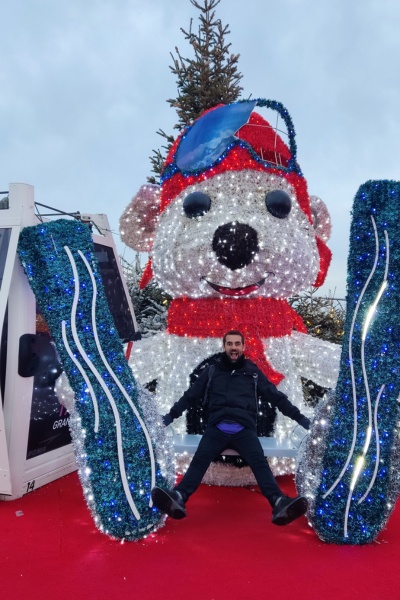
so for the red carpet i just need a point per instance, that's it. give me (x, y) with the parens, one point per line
(226, 549)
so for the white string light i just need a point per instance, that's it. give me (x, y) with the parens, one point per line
(353, 382)
(377, 446)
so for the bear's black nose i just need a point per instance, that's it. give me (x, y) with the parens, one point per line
(235, 245)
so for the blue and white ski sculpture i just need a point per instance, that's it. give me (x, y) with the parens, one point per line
(119, 441)
(350, 469)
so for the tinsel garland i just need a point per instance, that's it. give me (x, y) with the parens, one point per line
(351, 464)
(115, 433)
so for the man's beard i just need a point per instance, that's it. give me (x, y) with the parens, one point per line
(233, 356)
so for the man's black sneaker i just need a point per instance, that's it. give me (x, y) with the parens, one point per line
(288, 509)
(169, 502)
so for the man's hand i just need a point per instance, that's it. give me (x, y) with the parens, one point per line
(304, 422)
(167, 420)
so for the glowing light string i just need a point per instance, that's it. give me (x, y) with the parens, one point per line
(103, 385)
(113, 375)
(359, 464)
(85, 377)
(361, 459)
(357, 470)
(353, 382)
(364, 337)
(378, 448)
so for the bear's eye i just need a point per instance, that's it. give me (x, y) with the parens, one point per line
(278, 203)
(196, 204)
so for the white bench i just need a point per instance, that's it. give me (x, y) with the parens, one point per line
(271, 446)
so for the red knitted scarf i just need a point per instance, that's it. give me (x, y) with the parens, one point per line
(256, 319)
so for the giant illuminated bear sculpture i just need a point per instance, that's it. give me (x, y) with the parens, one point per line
(233, 233)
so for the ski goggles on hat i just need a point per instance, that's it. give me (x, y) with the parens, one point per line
(208, 140)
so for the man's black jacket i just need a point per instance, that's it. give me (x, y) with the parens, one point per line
(232, 395)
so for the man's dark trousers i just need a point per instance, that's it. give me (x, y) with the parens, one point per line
(247, 444)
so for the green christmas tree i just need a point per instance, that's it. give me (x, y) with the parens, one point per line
(208, 78)
(150, 304)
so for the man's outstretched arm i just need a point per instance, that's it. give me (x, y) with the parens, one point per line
(195, 392)
(271, 394)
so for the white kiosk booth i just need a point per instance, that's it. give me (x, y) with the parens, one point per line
(35, 443)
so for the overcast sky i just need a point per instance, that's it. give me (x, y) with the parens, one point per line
(83, 86)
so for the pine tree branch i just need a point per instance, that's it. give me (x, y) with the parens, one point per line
(210, 77)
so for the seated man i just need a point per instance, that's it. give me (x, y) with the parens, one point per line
(232, 388)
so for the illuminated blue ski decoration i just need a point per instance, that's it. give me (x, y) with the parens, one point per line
(120, 455)
(351, 462)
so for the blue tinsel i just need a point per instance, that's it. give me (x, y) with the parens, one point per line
(380, 199)
(41, 250)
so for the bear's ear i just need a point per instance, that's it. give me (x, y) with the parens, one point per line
(321, 218)
(138, 222)
(322, 227)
